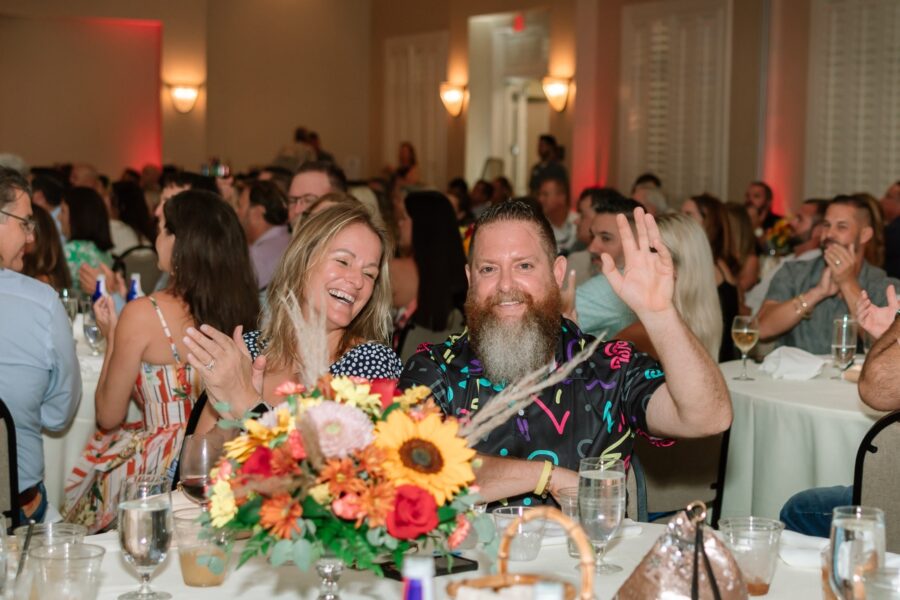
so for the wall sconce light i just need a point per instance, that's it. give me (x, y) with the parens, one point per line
(557, 91)
(184, 97)
(453, 96)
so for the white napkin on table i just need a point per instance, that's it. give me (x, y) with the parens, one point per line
(805, 551)
(792, 363)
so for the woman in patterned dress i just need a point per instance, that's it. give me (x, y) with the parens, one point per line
(85, 224)
(337, 262)
(202, 247)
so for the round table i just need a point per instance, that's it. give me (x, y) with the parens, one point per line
(788, 436)
(258, 579)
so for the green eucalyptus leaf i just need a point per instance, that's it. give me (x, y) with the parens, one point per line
(281, 552)
(304, 554)
(484, 527)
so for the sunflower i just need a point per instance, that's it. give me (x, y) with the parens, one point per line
(426, 453)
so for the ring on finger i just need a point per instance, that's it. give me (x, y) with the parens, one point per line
(837, 262)
(210, 365)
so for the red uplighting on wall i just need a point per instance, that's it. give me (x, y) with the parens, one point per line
(519, 22)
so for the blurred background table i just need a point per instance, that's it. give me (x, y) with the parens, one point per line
(789, 436)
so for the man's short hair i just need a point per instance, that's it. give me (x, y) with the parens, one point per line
(193, 181)
(11, 181)
(646, 178)
(767, 191)
(268, 195)
(821, 206)
(50, 187)
(526, 210)
(609, 201)
(559, 179)
(548, 139)
(863, 209)
(281, 176)
(336, 178)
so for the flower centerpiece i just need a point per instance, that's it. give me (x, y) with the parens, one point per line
(351, 468)
(779, 237)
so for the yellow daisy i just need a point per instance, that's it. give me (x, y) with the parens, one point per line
(346, 391)
(259, 432)
(426, 453)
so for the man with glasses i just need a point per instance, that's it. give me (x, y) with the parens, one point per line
(312, 181)
(40, 381)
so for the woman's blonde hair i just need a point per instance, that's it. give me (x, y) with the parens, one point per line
(696, 297)
(307, 248)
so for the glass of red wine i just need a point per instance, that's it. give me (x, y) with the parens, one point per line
(199, 455)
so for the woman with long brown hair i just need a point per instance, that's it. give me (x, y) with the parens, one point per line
(45, 259)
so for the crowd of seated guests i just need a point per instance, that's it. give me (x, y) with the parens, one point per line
(388, 264)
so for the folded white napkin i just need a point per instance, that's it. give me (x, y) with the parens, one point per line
(805, 551)
(792, 363)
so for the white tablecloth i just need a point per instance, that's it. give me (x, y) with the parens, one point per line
(256, 579)
(789, 436)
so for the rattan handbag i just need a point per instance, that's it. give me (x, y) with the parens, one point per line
(504, 579)
(687, 562)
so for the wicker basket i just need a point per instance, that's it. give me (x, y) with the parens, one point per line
(504, 579)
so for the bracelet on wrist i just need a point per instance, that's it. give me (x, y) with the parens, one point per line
(544, 480)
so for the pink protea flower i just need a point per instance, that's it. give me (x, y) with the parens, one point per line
(289, 388)
(341, 428)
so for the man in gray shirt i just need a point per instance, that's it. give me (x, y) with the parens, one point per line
(40, 381)
(805, 297)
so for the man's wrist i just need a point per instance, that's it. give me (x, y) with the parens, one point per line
(658, 318)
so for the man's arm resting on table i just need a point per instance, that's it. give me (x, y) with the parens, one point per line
(777, 318)
(499, 477)
(879, 386)
(694, 401)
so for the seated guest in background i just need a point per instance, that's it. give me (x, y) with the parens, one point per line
(695, 286)
(45, 259)
(600, 311)
(407, 171)
(647, 191)
(436, 311)
(47, 193)
(759, 197)
(85, 175)
(875, 248)
(262, 210)
(742, 250)
(646, 181)
(40, 381)
(710, 212)
(503, 190)
(130, 224)
(548, 166)
(201, 245)
(85, 223)
(337, 264)
(312, 181)
(890, 205)
(278, 175)
(515, 328)
(809, 512)
(581, 261)
(321, 154)
(553, 195)
(805, 297)
(481, 195)
(806, 245)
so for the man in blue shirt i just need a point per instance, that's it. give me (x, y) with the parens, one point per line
(40, 381)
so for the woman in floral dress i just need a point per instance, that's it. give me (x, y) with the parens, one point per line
(202, 247)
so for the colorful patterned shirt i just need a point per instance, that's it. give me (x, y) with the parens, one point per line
(596, 412)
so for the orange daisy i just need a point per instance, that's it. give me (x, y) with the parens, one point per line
(371, 458)
(376, 502)
(279, 515)
(340, 475)
(283, 462)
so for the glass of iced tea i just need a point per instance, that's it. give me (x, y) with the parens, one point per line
(745, 333)
(202, 553)
(754, 543)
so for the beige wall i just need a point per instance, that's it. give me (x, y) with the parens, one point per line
(274, 65)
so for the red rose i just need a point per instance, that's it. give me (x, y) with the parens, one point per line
(386, 388)
(259, 463)
(415, 513)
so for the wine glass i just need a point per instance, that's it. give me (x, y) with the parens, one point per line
(145, 529)
(745, 333)
(601, 504)
(857, 547)
(199, 455)
(91, 329)
(843, 343)
(69, 299)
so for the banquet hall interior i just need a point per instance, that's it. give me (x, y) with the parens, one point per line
(218, 216)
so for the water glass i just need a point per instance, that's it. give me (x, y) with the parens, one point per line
(70, 302)
(91, 329)
(745, 334)
(145, 529)
(843, 343)
(67, 571)
(754, 543)
(601, 504)
(568, 504)
(857, 548)
(526, 543)
(202, 553)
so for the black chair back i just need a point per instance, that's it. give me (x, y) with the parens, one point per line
(9, 469)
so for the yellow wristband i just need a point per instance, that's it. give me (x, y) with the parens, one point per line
(544, 479)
